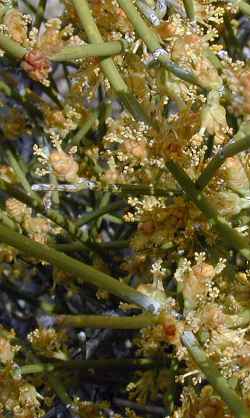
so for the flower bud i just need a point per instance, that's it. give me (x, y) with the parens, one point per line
(64, 166)
(16, 209)
(235, 175)
(229, 204)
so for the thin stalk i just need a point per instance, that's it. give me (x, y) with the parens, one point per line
(214, 377)
(230, 236)
(107, 64)
(40, 11)
(54, 215)
(104, 49)
(34, 10)
(8, 221)
(82, 131)
(127, 364)
(140, 190)
(212, 57)
(95, 214)
(12, 48)
(78, 246)
(83, 272)
(102, 321)
(232, 148)
(20, 174)
(190, 9)
(55, 194)
(153, 44)
(59, 388)
(243, 6)
(240, 320)
(36, 368)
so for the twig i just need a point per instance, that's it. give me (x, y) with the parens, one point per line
(230, 236)
(102, 321)
(214, 377)
(83, 272)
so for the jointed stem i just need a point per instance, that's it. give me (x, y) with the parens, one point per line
(153, 44)
(20, 174)
(95, 214)
(227, 151)
(82, 131)
(104, 49)
(189, 7)
(214, 377)
(102, 321)
(127, 364)
(107, 64)
(83, 272)
(230, 236)
(12, 48)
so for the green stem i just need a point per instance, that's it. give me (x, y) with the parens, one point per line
(152, 42)
(8, 221)
(58, 386)
(54, 215)
(243, 6)
(107, 64)
(229, 150)
(231, 237)
(36, 368)
(83, 272)
(78, 246)
(140, 190)
(127, 364)
(239, 320)
(95, 214)
(54, 195)
(104, 49)
(190, 10)
(20, 174)
(12, 48)
(214, 377)
(39, 12)
(102, 321)
(82, 131)
(212, 57)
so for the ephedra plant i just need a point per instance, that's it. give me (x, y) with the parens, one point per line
(125, 209)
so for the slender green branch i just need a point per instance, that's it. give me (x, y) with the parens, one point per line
(95, 214)
(140, 190)
(12, 48)
(244, 7)
(8, 221)
(36, 368)
(59, 388)
(127, 364)
(54, 215)
(107, 64)
(229, 150)
(190, 9)
(78, 246)
(20, 174)
(102, 321)
(214, 377)
(83, 272)
(39, 12)
(239, 320)
(104, 49)
(230, 237)
(82, 131)
(55, 194)
(153, 44)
